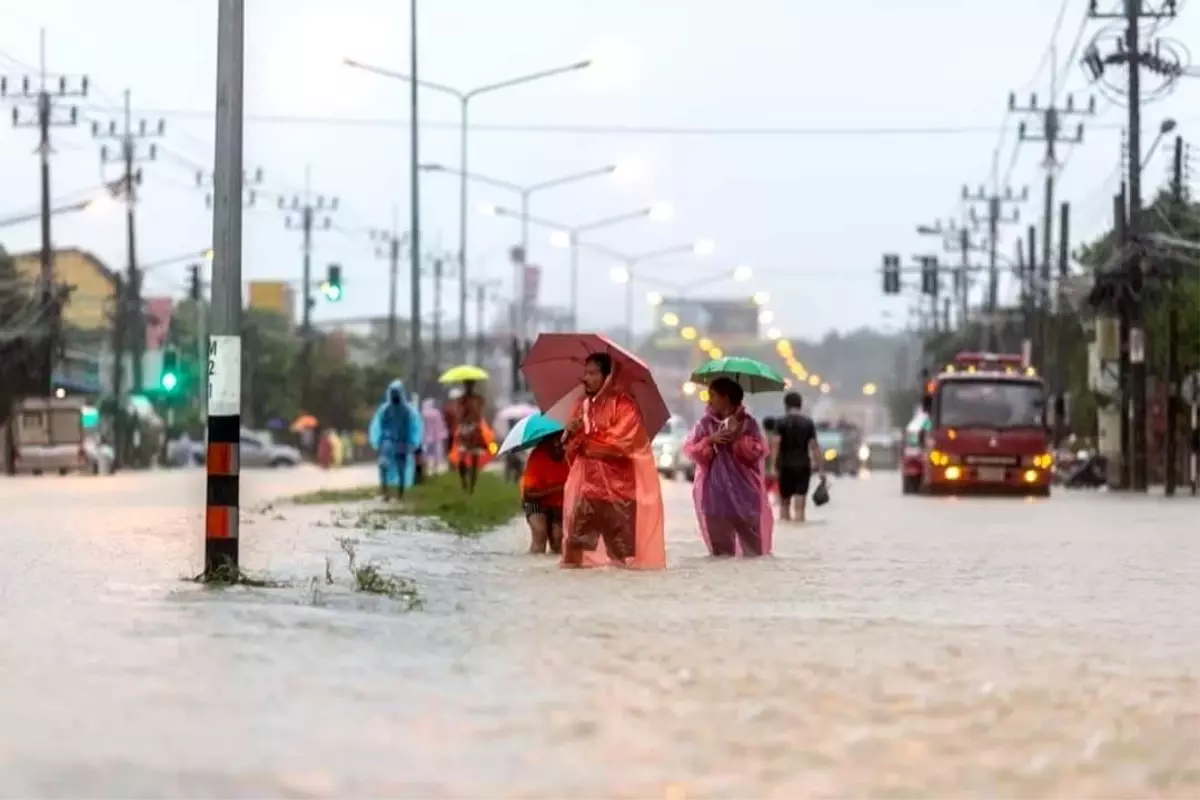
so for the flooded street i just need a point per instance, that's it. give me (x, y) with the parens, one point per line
(893, 647)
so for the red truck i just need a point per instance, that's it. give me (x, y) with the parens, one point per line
(987, 430)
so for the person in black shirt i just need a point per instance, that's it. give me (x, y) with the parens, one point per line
(797, 453)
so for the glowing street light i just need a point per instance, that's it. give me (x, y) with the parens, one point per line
(761, 298)
(670, 319)
(620, 274)
(716, 352)
(662, 211)
(689, 388)
(560, 239)
(705, 344)
(774, 333)
(654, 298)
(488, 209)
(742, 273)
(814, 380)
(869, 389)
(766, 316)
(825, 388)
(688, 332)
(704, 247)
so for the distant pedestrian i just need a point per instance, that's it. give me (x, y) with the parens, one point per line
(797, 454)
(395, 433)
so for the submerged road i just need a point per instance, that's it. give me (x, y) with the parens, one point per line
(894, 646)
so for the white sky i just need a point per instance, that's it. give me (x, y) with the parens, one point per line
(811, 212)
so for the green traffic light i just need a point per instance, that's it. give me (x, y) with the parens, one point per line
(169, 381)
(332, 293)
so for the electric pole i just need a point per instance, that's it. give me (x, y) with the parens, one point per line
(997, 215)
(44, 94)
(485, 292)
(389, 244)
(131, 177)
(414, 188)
(1135, 55)
(307, 212)
(957, 239)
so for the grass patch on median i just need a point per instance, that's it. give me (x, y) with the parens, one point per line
(440, 497)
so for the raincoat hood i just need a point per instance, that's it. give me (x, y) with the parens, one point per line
(395, 386)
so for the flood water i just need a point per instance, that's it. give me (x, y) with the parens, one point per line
(894, 647)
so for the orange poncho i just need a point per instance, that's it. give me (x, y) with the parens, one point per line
(613, 471)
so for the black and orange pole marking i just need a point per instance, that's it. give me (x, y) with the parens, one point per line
(222, 502)
(225, 309)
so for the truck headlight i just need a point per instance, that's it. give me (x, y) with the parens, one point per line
(864, 453)
(830, 454)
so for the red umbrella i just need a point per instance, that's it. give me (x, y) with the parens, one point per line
(554, 370)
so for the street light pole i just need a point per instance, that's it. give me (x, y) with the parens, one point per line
(464, 99)
(570, 233)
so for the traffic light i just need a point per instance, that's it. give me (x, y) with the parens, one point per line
(891, 273)
(194, 282)
(929, 275)
(169, 379)
(332, 288)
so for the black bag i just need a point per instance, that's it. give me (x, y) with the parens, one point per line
(821, 494)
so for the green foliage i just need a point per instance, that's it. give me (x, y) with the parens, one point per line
(441, 497)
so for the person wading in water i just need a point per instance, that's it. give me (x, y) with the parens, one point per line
(470, 437)
(797, 453)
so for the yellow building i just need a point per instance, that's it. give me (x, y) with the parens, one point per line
(92, 283)
(276, 296)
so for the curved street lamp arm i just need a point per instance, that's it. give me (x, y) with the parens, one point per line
(474, 176)
(531, 77)
(610, 221)
(607, 251)
(573, 178)
(541, 222)
(400, 76)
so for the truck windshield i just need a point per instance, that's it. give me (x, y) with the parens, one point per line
(991, 404)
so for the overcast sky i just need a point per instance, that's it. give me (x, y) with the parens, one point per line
(911, 97)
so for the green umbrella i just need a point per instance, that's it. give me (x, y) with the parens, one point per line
(753, 376)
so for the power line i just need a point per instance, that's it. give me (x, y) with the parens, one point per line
(605, 129)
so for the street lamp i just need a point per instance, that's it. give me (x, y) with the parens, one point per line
(464, 99)
(869, 389)
(567, 236)
(102, 198)
(1164, 128)
(625, 271)
(525, 191)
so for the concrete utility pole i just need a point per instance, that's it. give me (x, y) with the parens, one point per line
(389, 244)
(38, 90)
(1135, 55)
(129, 137)
(957, 239)
(307, 213)
(225, 312)
(1051, 135)
(414, 186)
(997, 215)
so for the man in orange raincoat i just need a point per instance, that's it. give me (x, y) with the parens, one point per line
(474, 443)
(613, 499)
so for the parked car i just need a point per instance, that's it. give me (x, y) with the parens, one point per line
(47, 436)
(258, 450)
(667, 447)
(881, 451)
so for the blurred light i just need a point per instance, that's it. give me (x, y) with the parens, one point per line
(100, 203)
(560, 239)
(705, 344)
(774, 333)
(704, 247)
(742, 272)
(1031, 476)
(761, 298)
(689, 388)
(716, 352)
(208, 254)
(784, 348)
(814, 380)
(670, 319)
(60, 393)
(488, 210)
(766, 316)
(629, 170)
(620, 274)
(704, 395)
(662, 212)
(824, 388)
(869, 389)
(953, 473)
(688, 333)
(787, 383)
(653, 298)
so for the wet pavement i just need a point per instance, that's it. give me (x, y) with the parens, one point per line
(894, 647)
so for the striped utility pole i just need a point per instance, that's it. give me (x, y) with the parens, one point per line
(225, 311)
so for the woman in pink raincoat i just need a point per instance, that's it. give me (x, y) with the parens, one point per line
(433, 444)
(730, 494)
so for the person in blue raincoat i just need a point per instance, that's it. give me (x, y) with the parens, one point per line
(395, 434)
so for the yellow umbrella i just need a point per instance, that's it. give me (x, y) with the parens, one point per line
(462, 373)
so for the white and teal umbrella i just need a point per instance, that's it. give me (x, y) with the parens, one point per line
(528, 432)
